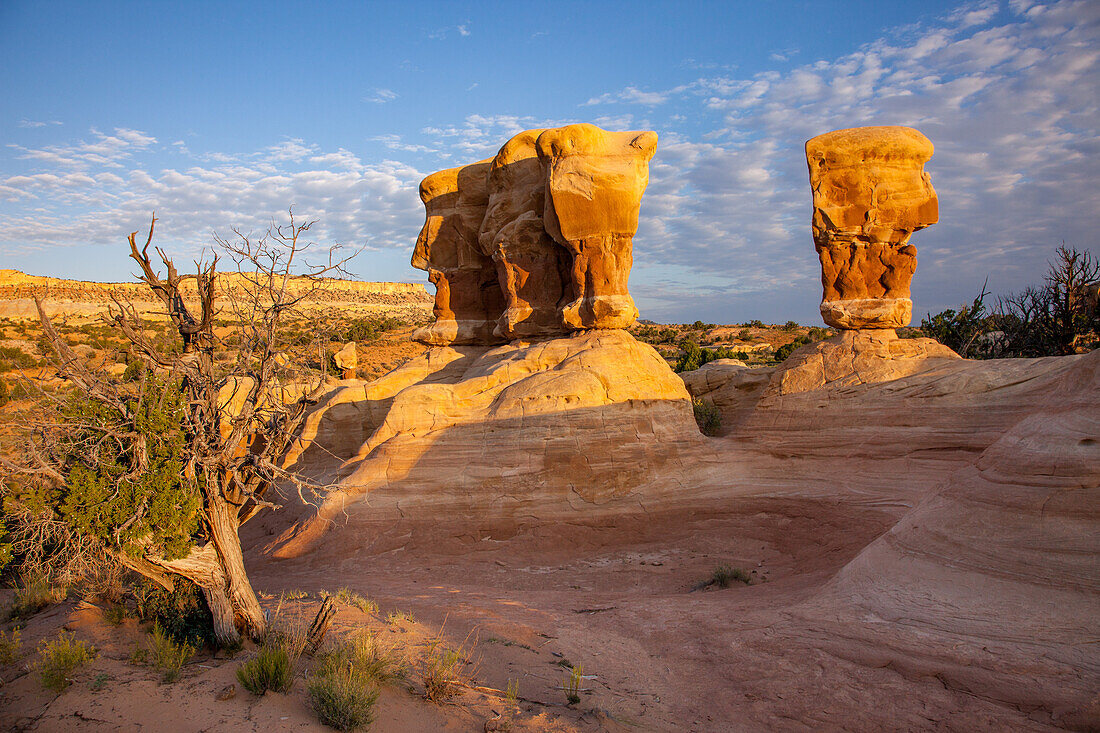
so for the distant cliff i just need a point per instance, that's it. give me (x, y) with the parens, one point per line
(79, 297)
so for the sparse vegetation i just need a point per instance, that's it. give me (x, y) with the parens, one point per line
(723, 577)
(1059, 317)
(11, 646)
(341, 700)
(271, 669)
(707, 416)
(572, 685)
(396, 618)
(442, 672)
(349, 598)
(169, 656)
(60, 658)
(33, 594)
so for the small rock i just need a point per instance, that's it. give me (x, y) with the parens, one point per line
(228, 693)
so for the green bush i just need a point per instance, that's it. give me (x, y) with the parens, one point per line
(168, 656)
(341, 700)
(369, 662)
(707, 416)
(724, 576)
(271, 669)
(181, 614)
(10, 646)
(694, 356)
(60, 657)
(785, 350)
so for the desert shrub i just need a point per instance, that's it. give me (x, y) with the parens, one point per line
(724, 576)
(341, 700)
(755, 323)
(115, 614)
(12, 357)
(60, 657)
(133, 371)
(960, 330)
(364, 657)
(271, 669)
(785, 350)
(695, 356)
(368, 329)
(572, 685)
(441, 673)
(707, 416)
(34, 593)
(10, 646)
(347, 597)
(182, 614)
(167, 655)
(790, 326)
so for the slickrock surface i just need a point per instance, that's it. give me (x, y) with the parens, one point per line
(547, 427)
(929, 542)
(857, 357)
(870, 193)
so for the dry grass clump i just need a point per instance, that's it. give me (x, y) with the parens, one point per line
(60, 657)
(341, 700)
(344, 686)
(443, 672)
(34, 593)
(271, 669)
(572, 685)
(169, 656)
(349, 598)
(10, 646)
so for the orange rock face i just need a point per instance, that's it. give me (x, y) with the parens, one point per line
(870, 193)
(594, 185)
(468, 299)
(531, 267)
(555, 212)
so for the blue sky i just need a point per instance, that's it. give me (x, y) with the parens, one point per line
(219, 115)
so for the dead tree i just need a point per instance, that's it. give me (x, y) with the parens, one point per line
(235, 420)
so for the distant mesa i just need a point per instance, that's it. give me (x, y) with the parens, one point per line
(537, 241)
(870, 193)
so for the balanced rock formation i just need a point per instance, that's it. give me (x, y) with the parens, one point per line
(532, 269)
(594, 183)
(555, 212)
(870, 193)
(468, 300)
(346, 360)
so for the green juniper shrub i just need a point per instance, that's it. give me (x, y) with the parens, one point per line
(181, 614)
(707, 416)
(785, 350)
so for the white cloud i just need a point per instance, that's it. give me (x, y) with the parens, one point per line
(381, 96)
(37, 123)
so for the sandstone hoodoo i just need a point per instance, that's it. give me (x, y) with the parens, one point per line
(870, 193)
(532, 269)
(536, 242)
(594, 182)
(468, 300)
